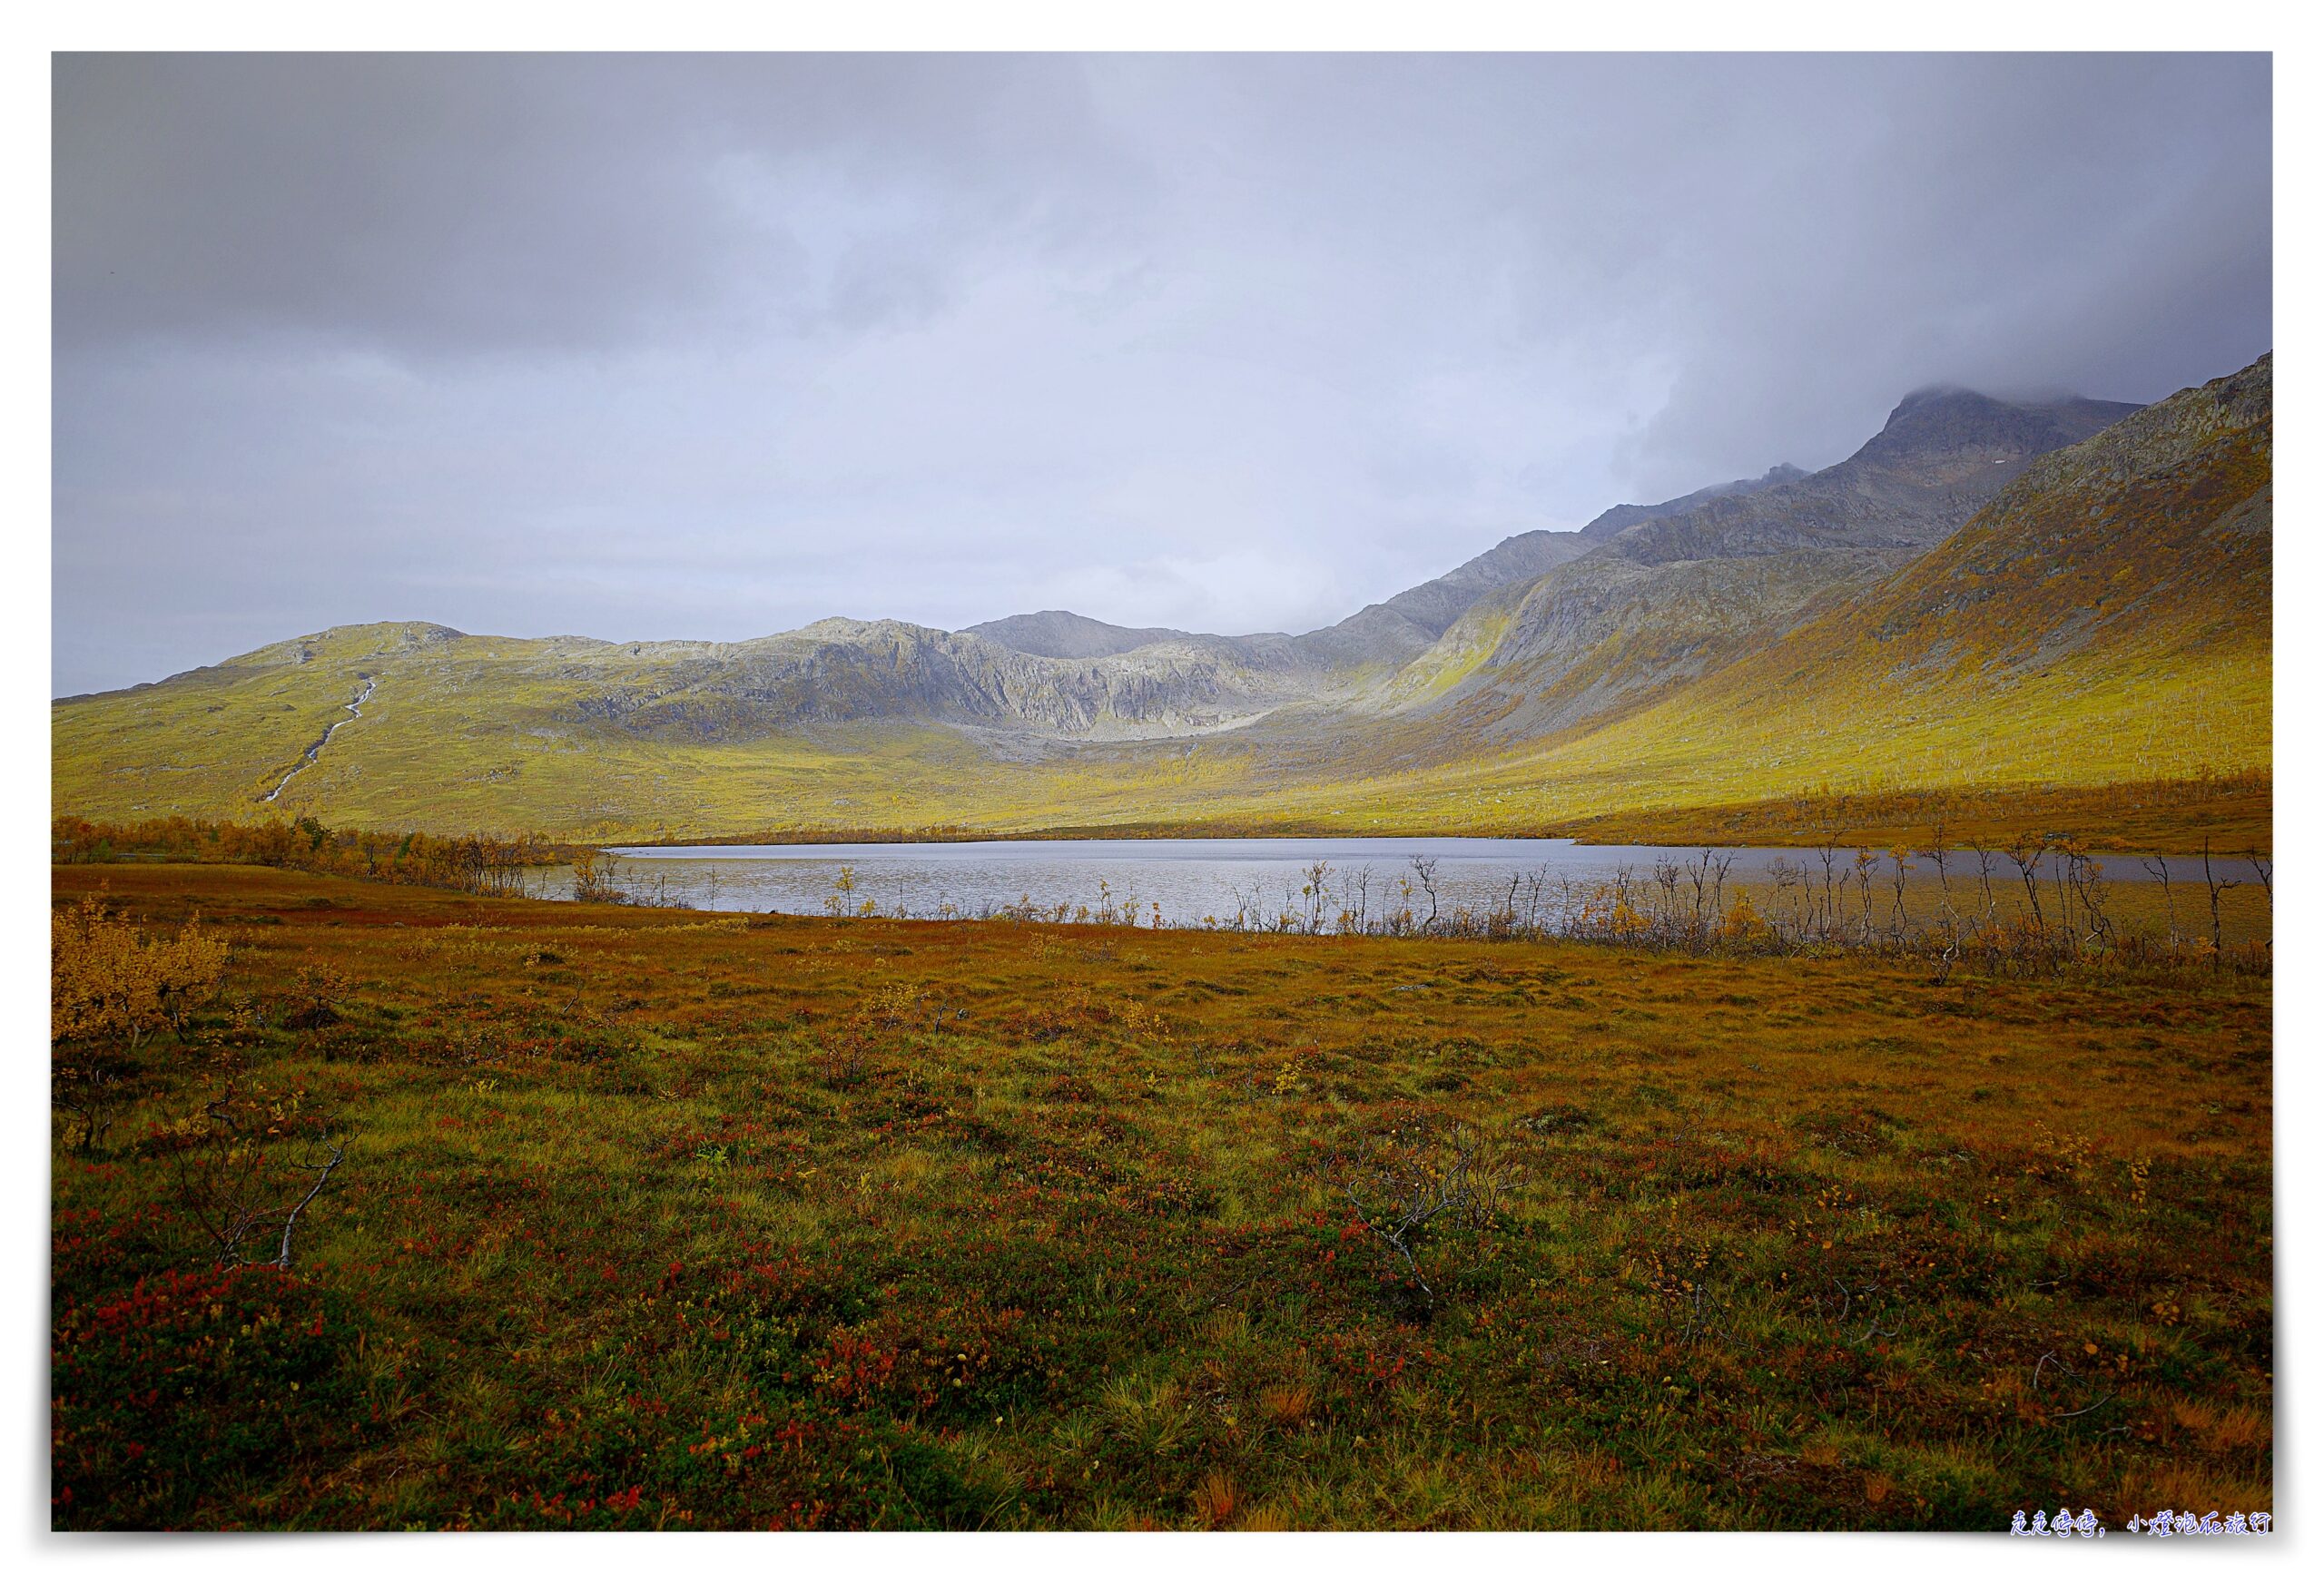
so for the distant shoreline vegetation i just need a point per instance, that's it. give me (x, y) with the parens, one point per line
(479, 864)
(2234, 810)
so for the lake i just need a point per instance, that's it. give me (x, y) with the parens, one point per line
(1202, 881)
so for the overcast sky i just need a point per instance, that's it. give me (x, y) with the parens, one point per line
(684, 347)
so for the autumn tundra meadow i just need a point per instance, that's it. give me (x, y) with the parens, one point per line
(386, 1204)
(1751, 1008)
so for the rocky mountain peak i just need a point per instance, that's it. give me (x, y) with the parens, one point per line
(1063, 635)
(1939, 421)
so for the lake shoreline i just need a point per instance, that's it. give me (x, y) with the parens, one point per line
(1352, 883)
(2233, 809)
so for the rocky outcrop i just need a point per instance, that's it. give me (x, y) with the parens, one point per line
(1061, 634)
(1612, 520)
(1671, 595)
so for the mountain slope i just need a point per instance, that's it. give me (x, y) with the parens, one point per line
(1389, 633)
(2102, 617)
(1398, 629)
(1673, 595)
(2105, 619)
(2111, 610)
(1404, 628)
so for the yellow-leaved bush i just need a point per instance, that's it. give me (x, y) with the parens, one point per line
(113, 982)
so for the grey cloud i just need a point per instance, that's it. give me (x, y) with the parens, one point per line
(453, 204)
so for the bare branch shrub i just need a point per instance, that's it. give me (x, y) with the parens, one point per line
(243, 1176)
(1421, 1178)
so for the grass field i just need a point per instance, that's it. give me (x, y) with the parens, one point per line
(685, 1220)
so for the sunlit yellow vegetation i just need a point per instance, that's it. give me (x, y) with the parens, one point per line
(111, 982)
(416, 759)
(484, 864)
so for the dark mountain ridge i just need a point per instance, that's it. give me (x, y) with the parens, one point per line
(1615, 518)
(1061, 634)
(1670, 596)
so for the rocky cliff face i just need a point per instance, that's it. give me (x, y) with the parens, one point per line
(1941, 455)
(1674, 595)
(1615, 518)
(839, 672)
(2159, 527)
(2116, 591)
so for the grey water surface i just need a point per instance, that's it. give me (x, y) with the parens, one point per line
(1197, 881)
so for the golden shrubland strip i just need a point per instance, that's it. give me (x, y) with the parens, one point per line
(484, 864)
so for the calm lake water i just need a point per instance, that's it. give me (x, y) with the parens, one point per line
(1194, 880)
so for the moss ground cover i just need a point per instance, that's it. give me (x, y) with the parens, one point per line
(694, 1220)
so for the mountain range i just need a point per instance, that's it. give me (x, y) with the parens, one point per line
(2004, 594)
